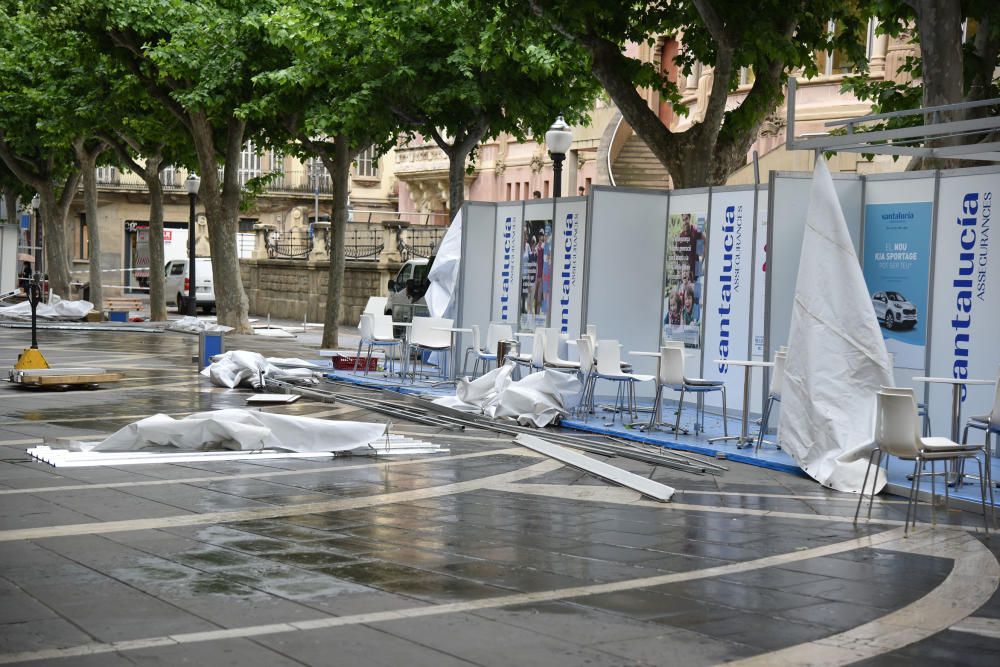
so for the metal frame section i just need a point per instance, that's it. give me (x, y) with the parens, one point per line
(904, 140)
(422, 411)
(646, 487)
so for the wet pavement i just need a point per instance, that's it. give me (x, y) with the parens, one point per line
(491, 555)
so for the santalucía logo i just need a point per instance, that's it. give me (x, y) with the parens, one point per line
(728, 277)
(568, 271)
(505, 272)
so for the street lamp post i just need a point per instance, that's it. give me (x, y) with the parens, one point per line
(558, 139)
(191, 185)
(35, 234)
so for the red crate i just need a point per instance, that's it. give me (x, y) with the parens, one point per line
(343, 362)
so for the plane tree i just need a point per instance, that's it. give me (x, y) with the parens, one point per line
(770, 38)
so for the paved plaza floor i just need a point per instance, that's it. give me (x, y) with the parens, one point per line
(492, 555)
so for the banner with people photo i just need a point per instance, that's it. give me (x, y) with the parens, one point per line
(536, 274)
(896, 263)
(684, 275)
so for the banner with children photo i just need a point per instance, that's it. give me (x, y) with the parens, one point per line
(536, 274)
(684, 278)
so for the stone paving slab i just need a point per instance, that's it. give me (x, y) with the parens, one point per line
(495, 574)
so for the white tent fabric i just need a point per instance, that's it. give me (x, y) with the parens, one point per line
(444, 274)
(56, 309)
(242, 430)
(191, 324)
(539, 399)
(836, 355)
(239, 367)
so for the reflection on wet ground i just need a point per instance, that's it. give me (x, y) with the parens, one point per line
(493, 574)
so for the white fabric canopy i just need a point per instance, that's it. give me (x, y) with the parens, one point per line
(539, 399)
(239, 367)
(443, 275)
(242, 430)
(836, 355)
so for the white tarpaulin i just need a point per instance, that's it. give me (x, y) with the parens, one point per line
(836, 355)
(239, 367)
(444, 274)
(242, 430)
(55, 309)
(191, 324)
(538, 399)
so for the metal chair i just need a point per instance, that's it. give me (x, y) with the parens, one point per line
(495, 334)
(988, 423)
(376, 330)
(427, 334)
(897, 433)
(609, 368)
(671, 376)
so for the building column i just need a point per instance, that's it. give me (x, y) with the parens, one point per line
(261, 230)
(319, 252)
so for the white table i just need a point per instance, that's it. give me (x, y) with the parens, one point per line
(956, 415)
(453, 365)
(743, 438)
(956, 397)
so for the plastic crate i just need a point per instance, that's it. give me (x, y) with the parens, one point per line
(343, 362)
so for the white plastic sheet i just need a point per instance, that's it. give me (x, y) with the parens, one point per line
(241, 430)
(191, 324)
(55, 309)
(443, 275)
(240, 367)
(836, 354)
(539, 399)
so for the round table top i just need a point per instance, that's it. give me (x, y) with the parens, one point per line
(743, 362)
(946, 380)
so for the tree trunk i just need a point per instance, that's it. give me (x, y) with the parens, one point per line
(88, 168)
(10, 198)
(157, 299)
(340, 172)
(456, 180)
(222, 211)
(54, 238)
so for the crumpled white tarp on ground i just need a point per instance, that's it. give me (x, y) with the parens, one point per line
(55, 309)
(539, 399)
(191, 324)
(240, 367)
(241, 430)
(836, 354)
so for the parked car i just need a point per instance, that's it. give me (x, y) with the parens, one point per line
(893, 310)
(407, 290)
(176, 283)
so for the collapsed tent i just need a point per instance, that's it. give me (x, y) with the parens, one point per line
(836, 354)
(55, 309)
(539, 399)
(241, 368)
(191, 324)
(241, 430)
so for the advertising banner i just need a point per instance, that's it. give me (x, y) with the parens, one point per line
(568, 271)
(683, 290)
(536, 274)
(507, 265)
(727, 290)
(966, 295)
(759, 275)
(896, 262)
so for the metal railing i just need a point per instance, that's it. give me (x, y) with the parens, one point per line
(292, 244)
(362, 244)
(423, 242)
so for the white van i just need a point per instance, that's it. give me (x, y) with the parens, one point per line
(175, 288)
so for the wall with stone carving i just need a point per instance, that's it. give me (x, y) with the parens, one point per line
(289, 289)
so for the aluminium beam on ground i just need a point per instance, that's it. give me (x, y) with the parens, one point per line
(610, 473)
(897, 141)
